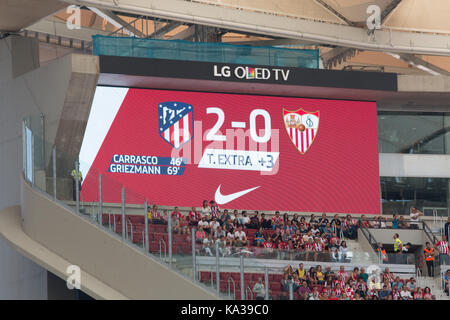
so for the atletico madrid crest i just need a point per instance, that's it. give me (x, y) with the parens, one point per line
(301, 127)
(176, 122)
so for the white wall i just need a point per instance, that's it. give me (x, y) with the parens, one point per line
(39, 91)
(414, 165)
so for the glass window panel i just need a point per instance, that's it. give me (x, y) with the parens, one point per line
(413, 132)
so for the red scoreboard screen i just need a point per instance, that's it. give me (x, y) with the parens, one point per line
(243, 151)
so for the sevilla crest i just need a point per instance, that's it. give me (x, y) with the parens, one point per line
(301, 127)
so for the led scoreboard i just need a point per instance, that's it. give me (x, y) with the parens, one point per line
(243, 151)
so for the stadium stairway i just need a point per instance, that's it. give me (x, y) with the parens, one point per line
(435, 285)
(54, 236)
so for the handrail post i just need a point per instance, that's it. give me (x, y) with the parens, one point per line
(169, 227)
(266, 282)
(54, 172)
(77, 187)
(146, 245)
(100, 200)
(242, 276)
(124, 222)
(217, 270)
(291, 291)
(194, 259)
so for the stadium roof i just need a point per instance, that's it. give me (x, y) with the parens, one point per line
(414, 37)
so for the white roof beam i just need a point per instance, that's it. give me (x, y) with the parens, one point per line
(280, 26)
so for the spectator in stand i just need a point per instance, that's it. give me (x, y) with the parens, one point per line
(396, 293)
(328, 230)
(342, 275)
(446, 278)
(304, 291)
(318, 248)
(259, 238)
(156, 216)
(208, 244)
(309, 248)
(388, 276)
(336, 224)
(333, 296)
(265, 223)
(398, 245)
(320, 276)
(224, 216)
(343, 251)
(313, 220)
(204, 224)
(175, 224)
(234, 216)
(219, 233)
(414, 215)
(285, 282)
(397, 283)
(383, 224)
(205, 209)
(230, 237)
(427, 294)
(365, 223)
(215, 210)
(200, 235)
(184, 226)
(443, 248)
(193, 217)
(447, 227)
(429, 258)
(276, 220)
(213, 225)
(259, 289)
(315, 294)
(411, 285)
(301, 272)
(350, 228)
(363, 276)
(285, 218)
(323, 221)
(417, 294)
(289, 229)
(382, 253)
(384, 293)
(228, 225)
(254, 221)
(355, 274)
(176, 213)
(395, 222)
(402, 223)
(268, 244)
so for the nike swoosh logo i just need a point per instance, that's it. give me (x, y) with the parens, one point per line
(223, 199)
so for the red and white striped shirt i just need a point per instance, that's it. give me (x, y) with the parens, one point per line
(318, 247)
(309, 246)
(349, 292)
(442, 247)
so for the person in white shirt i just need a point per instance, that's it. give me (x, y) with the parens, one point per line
(230, 238)
(206, 209)
(240, 238)
(213, 225)
(203, 223)
(219, 233)
(207, 245)
(405, 294)
(414, 217)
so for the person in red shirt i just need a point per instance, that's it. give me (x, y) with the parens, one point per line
(176, 213)
(443, 247)
(342, 275)
(193, 216)
(333, 296)
(276, 220)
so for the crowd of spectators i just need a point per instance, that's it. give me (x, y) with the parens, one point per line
(318, 284)
(237, 231)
